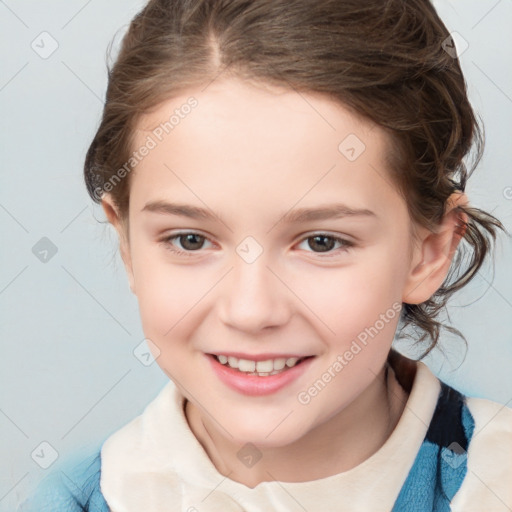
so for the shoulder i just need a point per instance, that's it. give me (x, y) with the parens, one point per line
(465, 461)
(474, 437)
(489, 458)
(74, 487)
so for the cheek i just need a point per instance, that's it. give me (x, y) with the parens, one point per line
(166, 293)
(351, 298)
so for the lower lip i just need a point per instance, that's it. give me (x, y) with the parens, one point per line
(253, 385)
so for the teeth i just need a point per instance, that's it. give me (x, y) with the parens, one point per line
(261, 368)
(279, 364)
(265, 366)
(244, 365)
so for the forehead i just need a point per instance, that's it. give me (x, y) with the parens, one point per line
(243, 145)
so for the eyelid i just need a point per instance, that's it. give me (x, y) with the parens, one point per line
(331, 234)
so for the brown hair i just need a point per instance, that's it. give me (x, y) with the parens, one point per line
(383, 59)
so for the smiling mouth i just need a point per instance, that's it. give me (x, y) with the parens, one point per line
(264, 368)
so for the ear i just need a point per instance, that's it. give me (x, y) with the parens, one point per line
(112, 213)
(434, 251)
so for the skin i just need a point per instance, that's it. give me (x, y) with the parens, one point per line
(250, 153)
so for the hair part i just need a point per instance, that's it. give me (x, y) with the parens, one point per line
(382, 59)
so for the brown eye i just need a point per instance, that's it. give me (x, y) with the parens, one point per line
(185, 244)
(324, 243)
(191, 241)
(321, 243)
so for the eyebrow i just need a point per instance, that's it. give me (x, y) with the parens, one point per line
(330, 211)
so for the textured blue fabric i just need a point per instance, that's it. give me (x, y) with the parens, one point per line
(434, 479)
(74, 488)
(441, 463)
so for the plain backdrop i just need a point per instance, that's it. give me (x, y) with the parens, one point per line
(69, 324)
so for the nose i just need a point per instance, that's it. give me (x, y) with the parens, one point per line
(254, 297)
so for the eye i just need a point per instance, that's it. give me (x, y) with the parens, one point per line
(190, 242)
(324, 243)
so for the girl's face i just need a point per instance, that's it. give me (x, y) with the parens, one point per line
(263, 226)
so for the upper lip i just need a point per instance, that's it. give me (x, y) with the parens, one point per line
(258, 357)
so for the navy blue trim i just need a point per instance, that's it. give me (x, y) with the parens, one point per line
(446, 426)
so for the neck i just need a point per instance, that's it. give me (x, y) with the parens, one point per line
(365, 424)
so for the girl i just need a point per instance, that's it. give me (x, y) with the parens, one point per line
(287, 182)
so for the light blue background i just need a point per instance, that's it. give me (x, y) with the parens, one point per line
(69, 326)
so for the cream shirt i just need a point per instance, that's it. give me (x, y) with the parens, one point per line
(156, 464)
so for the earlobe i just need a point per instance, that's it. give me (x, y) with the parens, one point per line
(434, 253)
(111, 211)
(114, 218)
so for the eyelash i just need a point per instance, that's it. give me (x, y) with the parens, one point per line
(346, 244)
